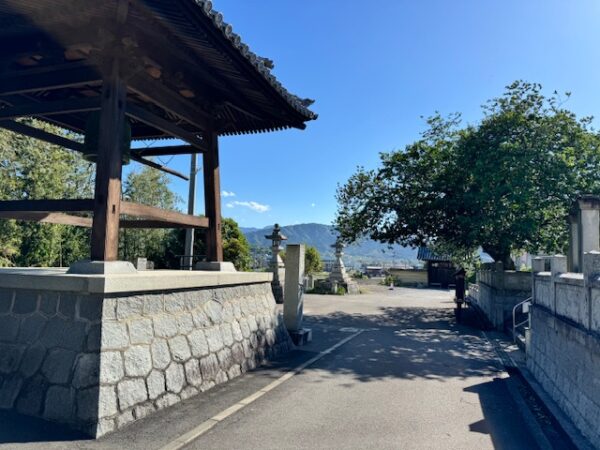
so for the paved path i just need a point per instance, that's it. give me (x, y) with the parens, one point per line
(411, 378)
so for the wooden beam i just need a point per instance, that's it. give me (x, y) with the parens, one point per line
(55, 77)
(45, 217)
(86, 222)
(75, 123)
(167, 150)
(157, 224)
(157, 166)
(60, 205)
(49, 108)
(42, 135)
(107, 197)
(165, 98)
(212, 200)
(76, 146)
(170, 128)
(163, 215)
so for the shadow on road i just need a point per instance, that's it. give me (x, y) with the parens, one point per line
(408, 343)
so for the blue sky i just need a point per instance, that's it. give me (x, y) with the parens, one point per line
(375, 68)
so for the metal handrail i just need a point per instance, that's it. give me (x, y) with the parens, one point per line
(514, 316)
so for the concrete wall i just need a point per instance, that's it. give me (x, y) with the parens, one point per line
(410, 276)
(563, 344)
(97, 361)
(499, 291)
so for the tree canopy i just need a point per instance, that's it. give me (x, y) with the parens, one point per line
(32, 169)
(312, 260)
(504, 184)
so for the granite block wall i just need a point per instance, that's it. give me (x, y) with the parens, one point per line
(563, 345)
(565, 359)
(98, 362)
(498, 292)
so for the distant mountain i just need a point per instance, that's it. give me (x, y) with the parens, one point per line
(323, 236)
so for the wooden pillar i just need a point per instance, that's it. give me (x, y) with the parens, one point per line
(212, 200)
(107, 198)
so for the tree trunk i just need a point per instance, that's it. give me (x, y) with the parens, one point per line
(501, 256)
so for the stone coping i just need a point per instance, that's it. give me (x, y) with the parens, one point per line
(56, 279)
(571, 278)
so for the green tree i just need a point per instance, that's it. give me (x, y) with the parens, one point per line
(235, 246)
(504, 184)
(32, 169)
(149, 187)
(312, 260)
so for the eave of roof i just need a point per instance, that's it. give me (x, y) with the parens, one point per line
(257, 62)
(425, 254)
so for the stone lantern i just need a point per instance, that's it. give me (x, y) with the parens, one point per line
(277, 266)
(338, 276)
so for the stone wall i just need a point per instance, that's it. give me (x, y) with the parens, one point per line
(410, 277)
(499, 291)
(100, 361)
(563, 344)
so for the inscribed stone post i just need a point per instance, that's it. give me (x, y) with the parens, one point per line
(293, 302)
(293, 297)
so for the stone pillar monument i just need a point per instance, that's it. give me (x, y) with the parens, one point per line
(293, 303)
(588, 226)
(338, 276)
(277, 266)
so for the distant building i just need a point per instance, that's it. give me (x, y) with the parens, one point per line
(373, 271)
(440, 270)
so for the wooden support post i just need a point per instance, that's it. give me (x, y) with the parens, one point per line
(107, 199)
(212, 199)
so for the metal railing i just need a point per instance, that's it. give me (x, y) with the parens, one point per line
(524, 305)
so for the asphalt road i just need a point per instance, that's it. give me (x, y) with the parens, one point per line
(411, 378)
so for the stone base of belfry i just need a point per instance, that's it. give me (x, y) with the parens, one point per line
(97, 352)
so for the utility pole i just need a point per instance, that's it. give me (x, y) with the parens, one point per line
(188, 259)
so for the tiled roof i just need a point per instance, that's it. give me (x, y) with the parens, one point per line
(425, 254)
(261, 64)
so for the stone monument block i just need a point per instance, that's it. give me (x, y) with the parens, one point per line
(293, 304)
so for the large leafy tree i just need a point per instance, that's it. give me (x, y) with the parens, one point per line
(31, 169)
(504, 184)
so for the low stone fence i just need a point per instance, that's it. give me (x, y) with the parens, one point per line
(499, 291)
(563, 344)
(97, 352)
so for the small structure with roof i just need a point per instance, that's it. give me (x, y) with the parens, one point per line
(440, 270)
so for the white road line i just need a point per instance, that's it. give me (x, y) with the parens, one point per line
(198, 431)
